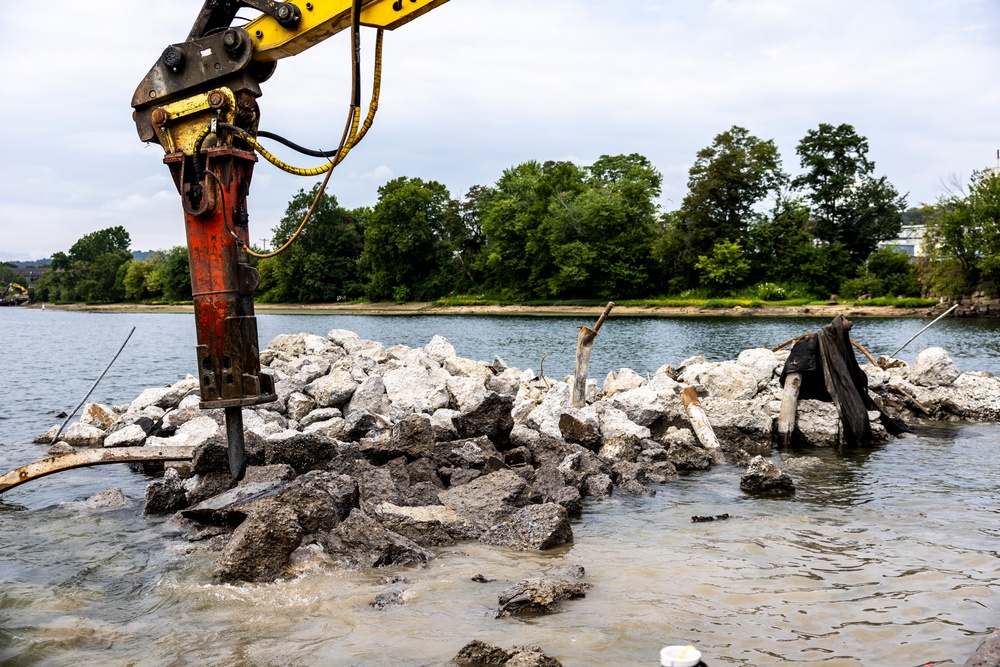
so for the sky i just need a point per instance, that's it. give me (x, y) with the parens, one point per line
(478, 86)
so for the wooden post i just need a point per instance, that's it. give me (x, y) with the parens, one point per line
(92, 457)
(584, 344)
(789, 405)
(702, 427)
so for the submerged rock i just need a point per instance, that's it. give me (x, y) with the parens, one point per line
(764, 478)
(538, 595)
(480, 654)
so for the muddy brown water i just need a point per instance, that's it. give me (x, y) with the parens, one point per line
(882, 558)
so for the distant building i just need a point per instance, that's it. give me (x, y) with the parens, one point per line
(910, 240)
(31, 273)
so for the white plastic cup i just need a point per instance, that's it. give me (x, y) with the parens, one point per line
(679, 656)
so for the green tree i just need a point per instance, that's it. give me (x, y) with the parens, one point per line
(407, 253)
(515, 259)
(175, 275)
(725, 269)
(726, 185)
(784, 250)
(102, 242)
(851, 206)
(322, 264)
(965, 234)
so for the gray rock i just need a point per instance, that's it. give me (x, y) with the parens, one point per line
(202, 487)
(234, 505)
(598, 486)
(584, 433)
(533, 527)
(538, 595)
(108, 499)
(321, 500)
(271, 473)
(61, 448)
(480, 654)
(165, 495)
(261, 546)
(487, 499)
(817, 424)
(764, 478)
(362, 542)
(428, 525)
(302, 451)
(934, 368)
(388, 598)
(491, 418)
(803, 463)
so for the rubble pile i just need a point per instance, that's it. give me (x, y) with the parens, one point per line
(372, 456)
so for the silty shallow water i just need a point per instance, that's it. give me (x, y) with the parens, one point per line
(882, 558)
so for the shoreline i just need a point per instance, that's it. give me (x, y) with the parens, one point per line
(828, 311)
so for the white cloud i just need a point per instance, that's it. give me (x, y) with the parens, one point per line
(477, 86)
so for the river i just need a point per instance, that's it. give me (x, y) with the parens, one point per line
(883, 558)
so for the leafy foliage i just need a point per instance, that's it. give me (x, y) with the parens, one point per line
(851, 206)
(323, 262)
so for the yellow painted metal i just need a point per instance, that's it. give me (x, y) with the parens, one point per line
(184, 121)
(324, 18)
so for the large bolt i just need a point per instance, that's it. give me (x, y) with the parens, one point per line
(216, 99)
(233, 40)
(288, 15)
(159, 116)
(173, 58)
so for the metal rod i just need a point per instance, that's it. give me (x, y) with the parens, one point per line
(237, 448)
(923, 330)
(99, 378)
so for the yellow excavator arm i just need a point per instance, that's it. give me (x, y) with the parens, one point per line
(199, 102)
(324, 18)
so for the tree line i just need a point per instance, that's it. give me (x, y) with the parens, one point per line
(556, 230)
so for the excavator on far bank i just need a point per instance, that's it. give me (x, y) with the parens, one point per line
(19, 297)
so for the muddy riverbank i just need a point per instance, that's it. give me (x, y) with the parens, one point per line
(828, 311)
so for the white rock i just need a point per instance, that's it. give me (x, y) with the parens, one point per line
(161, 397)
(370, 395)
(414, 387)
(130, 436)
(192, 434)
(98, 415)
(466, 392)
(934, 368)
(725, 379)
(322, 414)
(79, 434)
(466, 367)
(440, 347)
(642, 405)
(333, 389)
(761, 362)
(623, 380)
(617, 427)
(299, 405)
